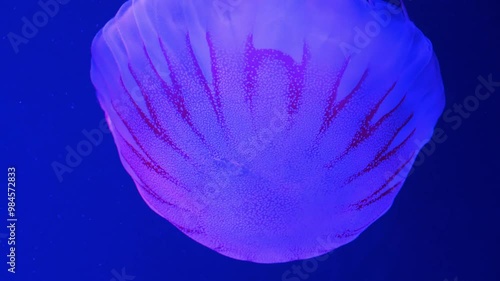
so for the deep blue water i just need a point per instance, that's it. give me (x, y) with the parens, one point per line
(91, 224)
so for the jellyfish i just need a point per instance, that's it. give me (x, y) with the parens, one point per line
(267, 130)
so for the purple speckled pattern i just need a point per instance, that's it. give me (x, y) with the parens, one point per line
(260, 128)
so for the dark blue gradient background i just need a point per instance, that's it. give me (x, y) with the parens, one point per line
(93, 224)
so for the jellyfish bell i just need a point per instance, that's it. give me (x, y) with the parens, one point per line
(259, 128)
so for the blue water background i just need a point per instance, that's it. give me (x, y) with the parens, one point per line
(93, 226)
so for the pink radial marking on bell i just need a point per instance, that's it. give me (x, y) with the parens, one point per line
(383, 155)
(367, 130)
(295, 73)
(372, 197)
(174, 96)
(155, 127)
